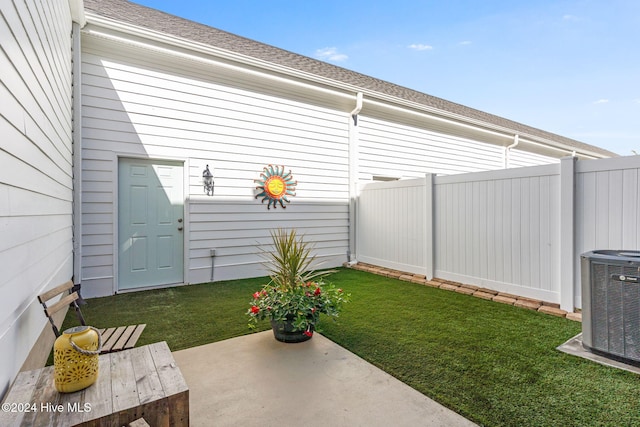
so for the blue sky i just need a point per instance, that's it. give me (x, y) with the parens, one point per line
(569, 67)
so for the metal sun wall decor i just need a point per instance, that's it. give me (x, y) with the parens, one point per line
(275, 186)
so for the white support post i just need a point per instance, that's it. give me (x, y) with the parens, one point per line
(567, 233)
(428, 226)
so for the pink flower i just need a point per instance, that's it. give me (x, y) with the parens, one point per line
(317, 291)
(255, 309)
(308, 333)
(256, 295)
(313, 310)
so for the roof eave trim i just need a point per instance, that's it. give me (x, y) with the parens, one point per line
(232, 56)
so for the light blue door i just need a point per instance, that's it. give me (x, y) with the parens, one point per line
(150, 223)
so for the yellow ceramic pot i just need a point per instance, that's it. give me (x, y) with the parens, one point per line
(75, 358)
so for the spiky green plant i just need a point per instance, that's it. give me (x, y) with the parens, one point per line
(295, 292)
(290, 264)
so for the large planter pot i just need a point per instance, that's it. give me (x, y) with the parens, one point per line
(283, 331)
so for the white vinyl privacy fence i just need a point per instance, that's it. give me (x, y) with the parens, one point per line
(519, 231)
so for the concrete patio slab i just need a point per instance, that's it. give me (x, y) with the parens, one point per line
(255, 380)
(574, 347)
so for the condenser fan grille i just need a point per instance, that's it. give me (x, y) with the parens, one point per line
(616, 311)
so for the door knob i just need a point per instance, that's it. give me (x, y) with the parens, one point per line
(179, 219)
(179, 228)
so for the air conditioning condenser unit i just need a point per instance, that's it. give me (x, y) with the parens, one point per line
(611, 304)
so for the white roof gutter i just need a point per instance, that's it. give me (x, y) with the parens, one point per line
(203, 48)
(77, 12)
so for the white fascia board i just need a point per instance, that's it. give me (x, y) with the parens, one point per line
(113, 28)
(508, 136)
(483, 127)
(235, 57)
(107, 34)
(563, 149)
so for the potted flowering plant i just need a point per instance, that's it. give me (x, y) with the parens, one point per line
(296, 295)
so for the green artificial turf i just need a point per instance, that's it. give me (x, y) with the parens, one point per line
(495, 364)
(184, 316)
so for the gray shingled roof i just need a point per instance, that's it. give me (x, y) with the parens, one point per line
(141, 16)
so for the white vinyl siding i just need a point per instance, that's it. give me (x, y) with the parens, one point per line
(410, 149)
(399, 150)
(135, 106)
(238, 230)
(36, 173)
(520, 158)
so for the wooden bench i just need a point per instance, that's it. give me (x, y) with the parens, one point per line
(143, 382)
(113, 339)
